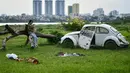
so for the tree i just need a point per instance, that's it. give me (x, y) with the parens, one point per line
(22, 32)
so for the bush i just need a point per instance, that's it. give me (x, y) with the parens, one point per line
(74, 25)
(56, 39)
(39, 29)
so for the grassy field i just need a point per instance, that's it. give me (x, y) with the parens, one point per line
(96, 60)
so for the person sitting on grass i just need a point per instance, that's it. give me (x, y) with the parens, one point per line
(32, 36)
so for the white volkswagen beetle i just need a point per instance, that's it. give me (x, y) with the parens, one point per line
(102, 35)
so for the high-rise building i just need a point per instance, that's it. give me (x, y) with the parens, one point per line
(75, 9)
(48, 7)
(60, 7)
(70, 10)
(37, 7)
(114, 13)
(98, 12)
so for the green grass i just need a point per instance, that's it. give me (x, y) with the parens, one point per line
(95, 60)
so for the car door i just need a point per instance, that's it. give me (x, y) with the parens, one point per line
(86, 36)
(100, 34)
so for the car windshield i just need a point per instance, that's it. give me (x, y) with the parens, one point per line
(114, 30)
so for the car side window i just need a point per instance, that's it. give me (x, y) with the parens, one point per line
(88, 31)
(90, 28)
(101, 30)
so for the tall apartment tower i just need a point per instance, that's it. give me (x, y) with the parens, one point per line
(98, 12)
(60, 7)
(37, 7)
(75, 9)
(70, 10)
(48, 7)
(114, 13)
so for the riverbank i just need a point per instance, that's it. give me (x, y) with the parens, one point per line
(49, 23)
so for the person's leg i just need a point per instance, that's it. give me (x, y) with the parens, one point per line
(31, 41)
(34, 39)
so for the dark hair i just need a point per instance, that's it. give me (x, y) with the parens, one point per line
(30, 22)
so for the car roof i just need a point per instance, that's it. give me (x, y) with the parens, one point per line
(100, 25)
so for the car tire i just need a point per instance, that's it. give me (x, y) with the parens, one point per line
(67, 43)
(110, 44)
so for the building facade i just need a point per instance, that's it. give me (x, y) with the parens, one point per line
(75, 9)
(60, 7)
(114, 13)
(98, 12)
(70, 10)
(122, 15)
(37, 7)
(48, 7)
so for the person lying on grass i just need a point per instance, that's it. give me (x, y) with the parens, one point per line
(29, 60)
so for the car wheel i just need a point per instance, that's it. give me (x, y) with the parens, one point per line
(110, 44)
(67, 43)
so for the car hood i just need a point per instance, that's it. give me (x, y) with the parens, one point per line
(73, 33)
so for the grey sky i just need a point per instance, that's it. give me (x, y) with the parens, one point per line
(12, 7)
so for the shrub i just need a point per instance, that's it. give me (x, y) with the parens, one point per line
(56, 39)
(75, 24)
(39, 29)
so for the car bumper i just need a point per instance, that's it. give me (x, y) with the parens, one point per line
(124, 45)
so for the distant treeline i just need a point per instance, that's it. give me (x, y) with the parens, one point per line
(118, 20)
(26, 18)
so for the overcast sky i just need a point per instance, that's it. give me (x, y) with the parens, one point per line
(13, 7)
